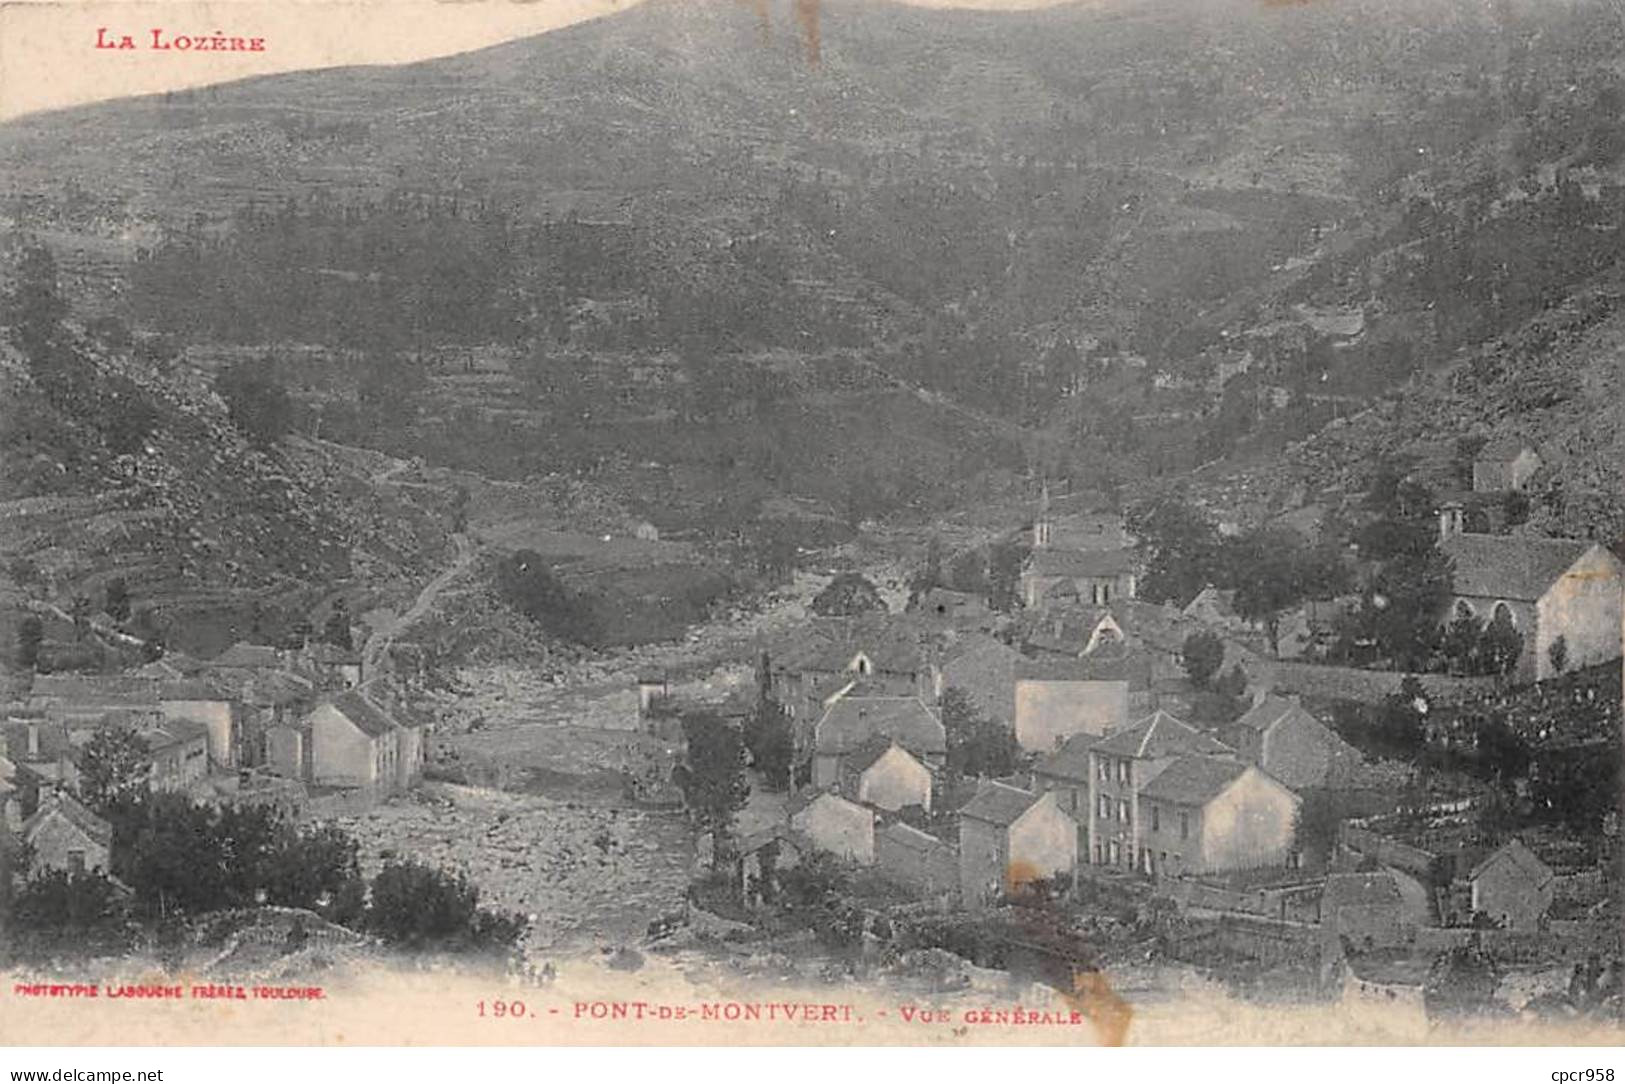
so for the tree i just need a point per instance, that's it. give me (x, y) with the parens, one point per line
(528, 585)
(256, 403)
(30, 635)
(771, 742)
(712, 778)
(1004, 563)
(1501, 645)
(1558, 652)
(113, 766)
(929, 575)
(1461, 640)
(117, 602)
(846, 595)
(420, 907)
(1400, 717)
(1318, 822)
(1179, 547)
(1201, 656)
(977, 746)
(55, 900)
(336, 630)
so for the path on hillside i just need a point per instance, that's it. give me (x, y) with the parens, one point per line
(377, 646)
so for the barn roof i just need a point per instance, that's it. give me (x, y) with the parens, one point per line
(906, 835)
(1070, 759)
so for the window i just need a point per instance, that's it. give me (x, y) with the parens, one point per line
(1103, 769)
(1156, 818)
(1105, 808)
(1122, 810)
(76, 862)
(1184, 826)
(1099, 854)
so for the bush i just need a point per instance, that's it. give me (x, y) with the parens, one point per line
(420, 907)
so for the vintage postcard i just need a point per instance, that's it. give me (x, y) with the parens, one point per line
(812, 522)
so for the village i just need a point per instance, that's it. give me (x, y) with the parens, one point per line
(1082, 776)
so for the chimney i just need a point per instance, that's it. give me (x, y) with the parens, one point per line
(1450, 520)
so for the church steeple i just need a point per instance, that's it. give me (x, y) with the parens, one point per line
(1041, 524)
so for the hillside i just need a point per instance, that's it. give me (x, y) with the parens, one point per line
(142, 477)
(680, 250)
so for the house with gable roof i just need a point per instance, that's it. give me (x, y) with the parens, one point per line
(836, 825)
(1549, 588)
(883, 774)
(1101, 692)
(1118, 767)
(851, 722)
(1209, 814)
(64, 835)
(355, 742)
(916, 859)
(1513, 887)
(1505, 463)
(1281, 737)
(1009, 837)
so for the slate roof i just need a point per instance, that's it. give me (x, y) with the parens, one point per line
(906, 835)
(998, 803)
(853, 720)
(1193, 780)
(1113, 662)
(69, 807)
(1069, 761)
(246, 656)
(1359, 890)
(191, 689)
(1159, 735)
(1513, 567)
(1522, 859)
(892, 644)
(865, 756)
(95, 689)
(1267, 712)
(1503, 449)
(368, 717)
(985, 670)
(53, 742)
(1080, 563)
(327, 654)
(174, 732)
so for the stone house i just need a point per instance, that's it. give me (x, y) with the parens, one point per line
(984, 669)
(1513, 887)
(836, 825)
(851, 723)
(1058, 698)
(82, 701)
(1504, 464)
(887, 656)
(916, 859)
(179, 752)
(1548, 587)
(1215, 608)
(1009, 837)
(1207, 814)
(1282, 738)
(945, 604)
(763, 857)
(66, 836)
(355, 742)
(1118, 769)
(204, 702)
(1366, 910)
(885, 775)
(332, 666)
